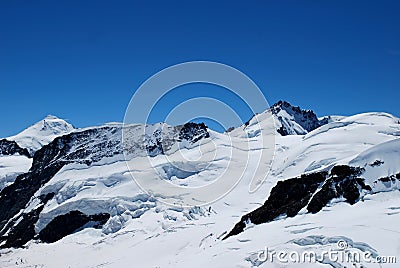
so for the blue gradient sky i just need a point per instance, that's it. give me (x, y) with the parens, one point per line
(83, 60)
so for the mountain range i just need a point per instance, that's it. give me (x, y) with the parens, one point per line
(68, 199)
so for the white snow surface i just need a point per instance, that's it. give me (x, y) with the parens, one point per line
(11, 166)
(143, 232)
(41, 133)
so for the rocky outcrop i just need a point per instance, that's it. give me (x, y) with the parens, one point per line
(391, 178)
(24, 230)
(344, 182)
(311, 191)
(16, 196)
(69, 223)
(161, 141)
(11, 147)
(287, 198)
(193, 132)
(294, 121)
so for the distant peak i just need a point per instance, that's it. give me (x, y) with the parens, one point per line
(51, 117)
(294, 120)
(286, 105)
(282, 103)
(42, 132)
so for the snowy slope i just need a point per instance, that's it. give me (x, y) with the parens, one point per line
(11, 166)
(335, 143)
(14, 161)
(382, 165)
(42, 133)
(143, 232)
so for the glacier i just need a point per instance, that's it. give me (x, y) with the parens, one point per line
(85, 176)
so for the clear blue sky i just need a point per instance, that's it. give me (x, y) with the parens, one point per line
(83, 60)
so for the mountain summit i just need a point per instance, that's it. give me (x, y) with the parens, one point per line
(292, 120)
(41, 133)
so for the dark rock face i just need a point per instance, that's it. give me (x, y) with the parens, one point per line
(307, 119)
(46, 163)
(229, 129)
(391, 178)
(11, 147)
(156, 147)
(288, 197)
(193, 132)
(160, 142)
(24, 231)
(67, 224)
(342, 183)
(17, 195)
(377, 163)
(89, 146)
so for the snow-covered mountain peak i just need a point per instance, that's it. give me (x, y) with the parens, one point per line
(41, 133)
(51, 117)
(292, 120)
